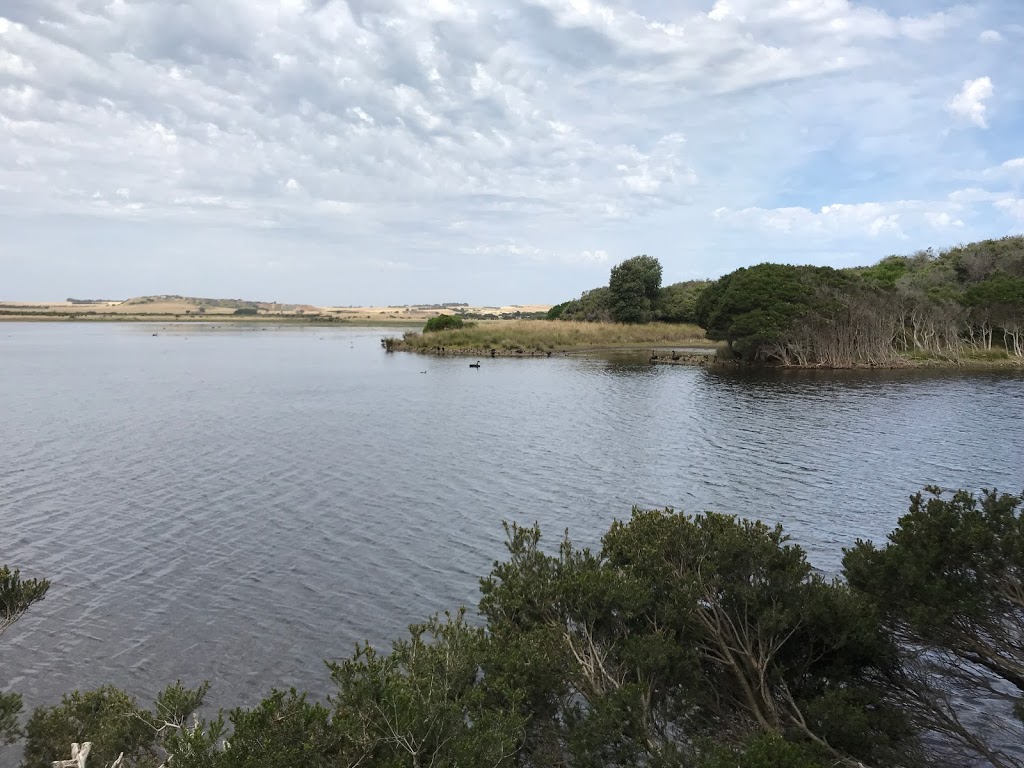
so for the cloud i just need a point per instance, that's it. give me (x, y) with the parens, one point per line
(990, 36)
(589, 257)
(970, 102)
(942, 220)
(1012, 207)
(1009, 169)
(500, 147)
(844, 220)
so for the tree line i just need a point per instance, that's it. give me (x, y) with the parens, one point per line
(967, 300)
(683, 641)
(634, 294)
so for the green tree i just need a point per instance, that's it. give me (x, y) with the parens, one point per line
(634, 287)
(754, 308)
(17, 595)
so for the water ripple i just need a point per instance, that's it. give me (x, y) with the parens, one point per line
(237, 506)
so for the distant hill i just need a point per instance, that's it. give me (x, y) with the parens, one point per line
(197, 301)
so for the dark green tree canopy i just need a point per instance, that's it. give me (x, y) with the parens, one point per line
(936, 304)
(634, 287)
(677, 303)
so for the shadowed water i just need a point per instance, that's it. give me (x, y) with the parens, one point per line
(236, 505)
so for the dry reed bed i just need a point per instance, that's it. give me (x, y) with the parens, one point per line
(554, 335)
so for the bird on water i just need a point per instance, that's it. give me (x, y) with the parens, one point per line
(475, 365)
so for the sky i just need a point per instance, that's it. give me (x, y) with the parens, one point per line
(353, 152)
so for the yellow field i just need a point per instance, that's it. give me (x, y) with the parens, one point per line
(167, 308)
(421, 313)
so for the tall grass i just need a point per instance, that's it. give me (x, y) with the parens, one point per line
(555, 335)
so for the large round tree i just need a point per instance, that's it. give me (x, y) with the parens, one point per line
(634, 287)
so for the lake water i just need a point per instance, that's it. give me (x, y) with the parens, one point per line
(237, 505)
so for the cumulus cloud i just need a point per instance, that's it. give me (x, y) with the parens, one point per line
(1012, 207)
(942, 220)
(491, 133)
(970, 102)
(845, 220)
(589, 257)
(990, 36)
(1009, 169)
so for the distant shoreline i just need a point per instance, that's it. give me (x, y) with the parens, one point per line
(173, 308)
(312, 320)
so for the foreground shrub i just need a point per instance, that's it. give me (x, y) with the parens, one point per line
(17, 595)
(702, 641)
(113, 722)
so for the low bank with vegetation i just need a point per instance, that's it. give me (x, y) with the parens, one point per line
(683, 641)
(958, 306)
(543, 337)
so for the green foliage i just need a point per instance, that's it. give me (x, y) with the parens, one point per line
(634, 287)
(700, 641)
(634, 295)
(443, 323)
(281, 731)
(952, 577)
(10, 711)
(764, 751)
(17, 595)
(246, 311)
(936, 305)
(556, 311)
(950, 561)
(1000, 292)
(677, 303)
(108, 717)
(593, 306)
(753, 308)
(678, 625)
(949, 586)
(425, 703)
(886, 272)
(113, 722)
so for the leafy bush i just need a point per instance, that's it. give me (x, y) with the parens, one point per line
(702, 641)
(443, 323)
(113, 722)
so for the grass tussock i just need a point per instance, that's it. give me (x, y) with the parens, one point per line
(555, 335)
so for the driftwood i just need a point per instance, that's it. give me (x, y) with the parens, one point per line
(79, 754)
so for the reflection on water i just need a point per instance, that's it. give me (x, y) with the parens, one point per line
(237, 505)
